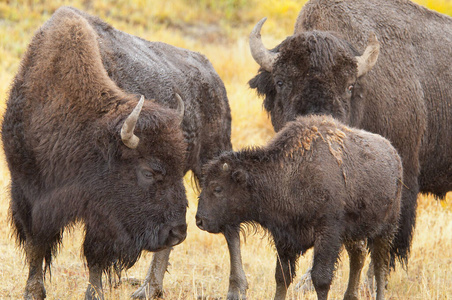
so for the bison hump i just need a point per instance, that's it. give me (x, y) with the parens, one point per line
(66, 61)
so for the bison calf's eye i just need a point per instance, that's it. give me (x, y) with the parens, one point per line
(147, 174)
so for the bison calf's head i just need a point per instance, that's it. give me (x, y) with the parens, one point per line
(225, 199)
(313, 72)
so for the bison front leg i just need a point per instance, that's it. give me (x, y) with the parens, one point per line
(326, 253)
(284, 274)
(34, 289)
(237, 278)
(357, 255)
(94, 290)
(153, 283)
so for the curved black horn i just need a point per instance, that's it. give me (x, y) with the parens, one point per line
(127, 136)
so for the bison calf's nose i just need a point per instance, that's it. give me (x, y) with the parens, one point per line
(199, 223)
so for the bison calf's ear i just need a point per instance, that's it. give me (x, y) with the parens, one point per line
(240, 176)
(225, 167)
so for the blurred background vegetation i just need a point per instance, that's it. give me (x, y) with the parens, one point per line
(219, 30)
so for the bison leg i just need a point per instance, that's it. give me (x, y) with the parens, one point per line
(326, 253)
(305, 282)
(94, 290)
(153, 283)
(284, 274)
(34, 289)
(380, 258)
(369, 282)
(237, 279)
(357, 255)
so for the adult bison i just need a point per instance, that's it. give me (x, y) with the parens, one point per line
(405, 95)
(74, 157)
(317, 184)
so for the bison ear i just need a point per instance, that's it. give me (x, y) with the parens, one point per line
(240, 176)
(366, 61)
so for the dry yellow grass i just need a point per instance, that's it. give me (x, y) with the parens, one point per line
(200, 265)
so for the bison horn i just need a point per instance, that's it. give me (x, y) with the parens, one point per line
(180, 108)
(366, 61)
(225, 167)
(261, 55)
(127, 136)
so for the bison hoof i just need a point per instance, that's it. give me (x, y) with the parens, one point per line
(236, 296)
(92, 294)
(35, 291)
(350, 297)
(146, 291)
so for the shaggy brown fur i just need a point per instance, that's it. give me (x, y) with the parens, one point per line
(406, 97)
(317, 184)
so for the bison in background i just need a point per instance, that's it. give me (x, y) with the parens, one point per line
(405, 95)
(317, 184)
(73, 157)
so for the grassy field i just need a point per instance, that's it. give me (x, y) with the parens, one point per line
(199, 266)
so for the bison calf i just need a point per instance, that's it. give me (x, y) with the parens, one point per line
(318, 184)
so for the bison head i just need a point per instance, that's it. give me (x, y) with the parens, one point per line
(225, 196)
(309, 73)
(139, 180)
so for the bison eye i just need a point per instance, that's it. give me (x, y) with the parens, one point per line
(148, 176)
(217, 189)
(350, 88)
(280, 83)
(151, 176)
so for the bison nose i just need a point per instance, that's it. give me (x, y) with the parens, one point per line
(199, 223)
